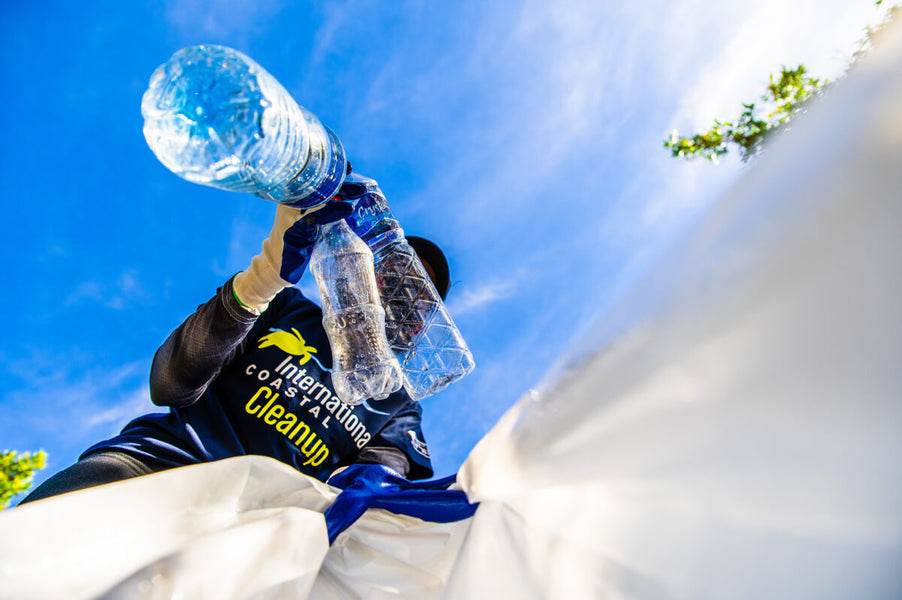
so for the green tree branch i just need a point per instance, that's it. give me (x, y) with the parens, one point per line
(16, 471)
(786, 96)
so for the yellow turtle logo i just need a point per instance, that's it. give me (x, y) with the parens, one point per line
(286, 342)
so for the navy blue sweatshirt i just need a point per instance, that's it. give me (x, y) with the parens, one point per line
(238, 384)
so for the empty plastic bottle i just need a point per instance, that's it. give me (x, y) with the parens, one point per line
(418, 326)
(363, 364)
(214, 116)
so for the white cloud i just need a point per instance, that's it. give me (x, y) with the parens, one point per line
(480, 296)
(123, 293)
(127, 407)
(584, 77)
(771, 34)
(220, 19)
(249, 228)
(88, 404)
(84, 291)
(335, 17)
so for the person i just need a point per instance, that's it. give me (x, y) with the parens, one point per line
(248, 374)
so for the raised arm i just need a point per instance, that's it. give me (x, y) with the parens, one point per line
(194, 354)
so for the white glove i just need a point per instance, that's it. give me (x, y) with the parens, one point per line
(286, 253)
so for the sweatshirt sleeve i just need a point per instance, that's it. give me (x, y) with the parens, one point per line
(194, 354)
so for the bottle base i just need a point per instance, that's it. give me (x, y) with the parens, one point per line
(373, 381)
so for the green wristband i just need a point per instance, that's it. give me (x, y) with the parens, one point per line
(242, 304)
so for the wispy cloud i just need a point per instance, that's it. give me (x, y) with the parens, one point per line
(128, 406)
(480, 296)
(763, 37)
(335, 18)
(89, 291)
(531, 112)
(88, 404)
(117, 295)
(249, 229)
(533, 93)
(220, 19)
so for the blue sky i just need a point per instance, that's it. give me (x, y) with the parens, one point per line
(523, 137)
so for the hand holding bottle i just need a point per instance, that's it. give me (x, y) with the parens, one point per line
(286, 253)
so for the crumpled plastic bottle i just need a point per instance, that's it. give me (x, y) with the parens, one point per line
(363, 364)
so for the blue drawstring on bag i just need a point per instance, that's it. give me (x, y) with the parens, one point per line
(375, 486)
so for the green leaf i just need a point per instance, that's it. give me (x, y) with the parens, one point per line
(16, 472)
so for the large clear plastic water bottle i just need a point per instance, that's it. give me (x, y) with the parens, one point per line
(418, 326)
(214, 116)
(363, 364)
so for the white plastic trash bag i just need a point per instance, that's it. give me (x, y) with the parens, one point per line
(247, 527)
(229, 529)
